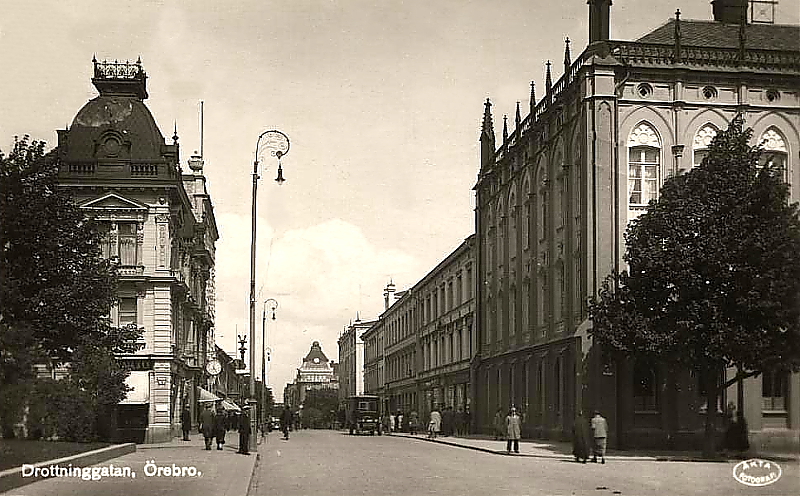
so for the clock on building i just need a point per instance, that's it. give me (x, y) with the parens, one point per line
(213, 367)
(316, 359)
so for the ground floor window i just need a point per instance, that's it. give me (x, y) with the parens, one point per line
(645, 387)
(774, 390)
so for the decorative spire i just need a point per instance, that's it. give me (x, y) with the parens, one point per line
(548, 80)
(567, 57)
(487, 127)
(505, 128)
(533, 96)
(175, 134)
(742, 34)
(678, 54)
(517, 118)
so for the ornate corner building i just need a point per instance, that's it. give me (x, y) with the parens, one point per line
(160, 230)
(554, 197)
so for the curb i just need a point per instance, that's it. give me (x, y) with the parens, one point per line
(13, 478)
(640, 458)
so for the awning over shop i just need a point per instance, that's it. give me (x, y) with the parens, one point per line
(206, 395)
(139, 380)
(230, 406)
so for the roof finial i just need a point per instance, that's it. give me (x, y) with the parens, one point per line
(548, 81)
(678, 54)
(487, 128)
(175, 135)
(567, 57)
(505, 128)
(517, 118)
(533, 96)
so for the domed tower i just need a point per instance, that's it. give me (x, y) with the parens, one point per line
(159, 230)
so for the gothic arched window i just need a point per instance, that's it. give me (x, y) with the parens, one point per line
(644, 153)
(702, 140)
(776, 154)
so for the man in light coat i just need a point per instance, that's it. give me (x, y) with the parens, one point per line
(600, 432)
(513, 430)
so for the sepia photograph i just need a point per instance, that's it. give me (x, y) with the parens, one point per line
(400, 248)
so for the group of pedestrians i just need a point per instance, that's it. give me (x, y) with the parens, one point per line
(448, 422)
(214, 425)
(589, 437)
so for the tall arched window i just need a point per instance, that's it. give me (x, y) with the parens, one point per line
(526, 215)
(644, 153)
(512, 225)
(512, 311)
(543, 202)
(775, 151)
(501, 222)
(702, 140)
(645, 387)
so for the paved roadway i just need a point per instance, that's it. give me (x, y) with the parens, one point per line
(332, 463)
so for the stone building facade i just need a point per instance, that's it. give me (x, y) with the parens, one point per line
(554, 197)
(160, 230)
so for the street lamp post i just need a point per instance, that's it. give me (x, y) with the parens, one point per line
(277, 144)
(272, 304)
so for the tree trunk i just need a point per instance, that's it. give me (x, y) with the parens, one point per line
(709, 438)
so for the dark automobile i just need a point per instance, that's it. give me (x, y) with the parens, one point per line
(363, 414)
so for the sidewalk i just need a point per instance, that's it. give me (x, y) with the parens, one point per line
(216, 473)
(562, 450)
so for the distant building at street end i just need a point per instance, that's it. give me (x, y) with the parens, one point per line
(351, 360)
(161, 232)
(316, 372)
(556, 192)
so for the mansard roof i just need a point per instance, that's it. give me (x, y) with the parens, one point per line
(720, 35)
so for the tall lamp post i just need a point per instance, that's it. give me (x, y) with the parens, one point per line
(272, 304)
(277, 144)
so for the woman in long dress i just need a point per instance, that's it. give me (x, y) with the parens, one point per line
(581, 439)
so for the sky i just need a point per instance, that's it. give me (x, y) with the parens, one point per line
(382, 102)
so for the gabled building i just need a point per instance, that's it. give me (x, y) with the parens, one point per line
(554, 196)
(161, 232)
(316, 372)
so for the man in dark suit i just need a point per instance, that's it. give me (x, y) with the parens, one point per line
(207, 425)
(244, 431)
(186, 422)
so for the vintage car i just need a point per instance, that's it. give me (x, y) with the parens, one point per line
(363, 414)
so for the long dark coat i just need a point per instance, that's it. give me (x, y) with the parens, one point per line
(244, 423)
(207, 422)
(219, 427)
(582, 440)
(186, 420)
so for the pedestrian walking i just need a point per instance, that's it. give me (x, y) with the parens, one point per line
(244, 431)
(219, 428)
(207, 424)
(581, 439)
(186, 422)
(400, 418)
(513, 430)
(413, 422)
(600, 432)
(499, 425)
(435, 424)
(459, 422)
(286, 421)
(392, 418)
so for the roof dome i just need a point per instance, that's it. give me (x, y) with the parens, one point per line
(114, 126)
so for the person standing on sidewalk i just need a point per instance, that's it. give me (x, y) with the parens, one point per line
(219, 428)
(413, 422)
(186, 422)
(286, 421)
(499, 425)
(244, 431)
(600, 432)
(513, 430)
(207, 425)
(581, 439)
(435, 424)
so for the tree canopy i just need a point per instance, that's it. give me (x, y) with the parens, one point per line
(56, 290)
(714, 268)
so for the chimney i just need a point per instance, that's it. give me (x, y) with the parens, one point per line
(388, 295)
(599, 20)
(730, 11)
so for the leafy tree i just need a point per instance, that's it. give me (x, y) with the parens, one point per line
(56, 290)
(324, 402)
(714, 273)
